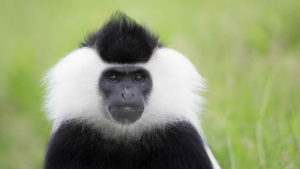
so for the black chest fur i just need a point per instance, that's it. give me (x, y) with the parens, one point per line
(78, 146)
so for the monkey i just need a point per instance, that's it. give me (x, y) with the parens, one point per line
(123, 100)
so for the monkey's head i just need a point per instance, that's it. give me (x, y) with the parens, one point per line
(123, 81)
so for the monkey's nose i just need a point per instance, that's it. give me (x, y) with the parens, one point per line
(127, 93)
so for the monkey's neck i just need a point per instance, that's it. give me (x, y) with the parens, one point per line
(79, 146)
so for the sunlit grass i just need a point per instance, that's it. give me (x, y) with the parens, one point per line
(249, 52)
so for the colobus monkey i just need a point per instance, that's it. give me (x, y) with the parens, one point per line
(122, 100)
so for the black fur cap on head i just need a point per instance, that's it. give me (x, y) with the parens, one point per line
(122, 40)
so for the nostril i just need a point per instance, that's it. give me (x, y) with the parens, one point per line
(126, 94)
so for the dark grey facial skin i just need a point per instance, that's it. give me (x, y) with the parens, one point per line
(125, 90)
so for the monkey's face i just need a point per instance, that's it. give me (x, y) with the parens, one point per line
(125, 90)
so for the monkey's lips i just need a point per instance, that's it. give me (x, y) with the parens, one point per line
(126, 114)
(127, 108)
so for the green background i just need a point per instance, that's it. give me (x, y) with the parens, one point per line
(249, 52)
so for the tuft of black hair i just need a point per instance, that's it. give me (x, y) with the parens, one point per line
(122, 40)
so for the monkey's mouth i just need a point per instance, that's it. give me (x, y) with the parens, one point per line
(125, 114)
(127, 107)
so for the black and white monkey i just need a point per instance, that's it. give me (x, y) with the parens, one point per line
(124, 101)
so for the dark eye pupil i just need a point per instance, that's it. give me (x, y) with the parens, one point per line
(113, 77)
(138, 77)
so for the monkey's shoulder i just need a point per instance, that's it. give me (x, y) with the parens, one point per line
(176, 146)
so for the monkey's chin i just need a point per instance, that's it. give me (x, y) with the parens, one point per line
(125, 114)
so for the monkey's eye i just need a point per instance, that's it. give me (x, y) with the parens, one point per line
(114, 78)
(139, 77)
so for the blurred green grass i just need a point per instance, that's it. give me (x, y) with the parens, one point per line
(249, 52)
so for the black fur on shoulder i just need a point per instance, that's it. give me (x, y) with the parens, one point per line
(122, 40)
(78, 146)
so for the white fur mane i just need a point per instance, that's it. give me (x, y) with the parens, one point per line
(72, 91)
